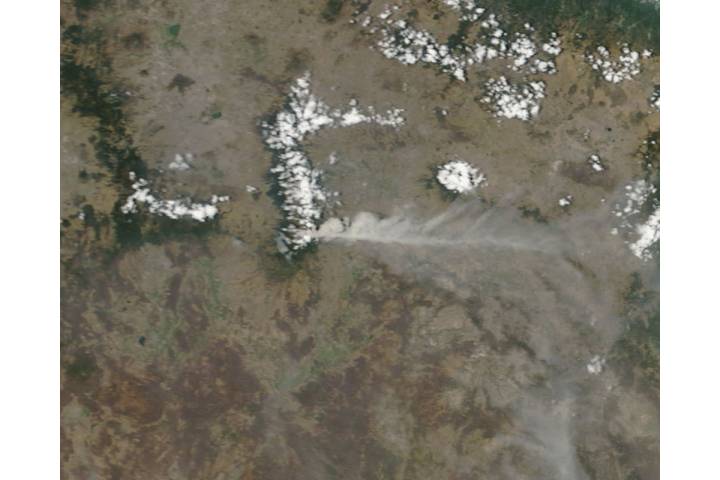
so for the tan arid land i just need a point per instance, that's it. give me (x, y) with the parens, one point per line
(516, 339)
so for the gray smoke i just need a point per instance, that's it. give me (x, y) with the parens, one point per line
(462, 225)
(548, 282)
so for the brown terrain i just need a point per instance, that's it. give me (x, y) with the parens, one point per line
(198, 352)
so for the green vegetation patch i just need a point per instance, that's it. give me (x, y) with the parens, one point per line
(214, 304)
(83, 6)
(532, 213)
(332, 10)
(82, 367)
(603, 21)
(638, 348)
(173, 31)
(84, 81)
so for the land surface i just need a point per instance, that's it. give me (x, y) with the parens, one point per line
(196, 351)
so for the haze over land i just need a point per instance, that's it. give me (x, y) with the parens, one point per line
(346, 240)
